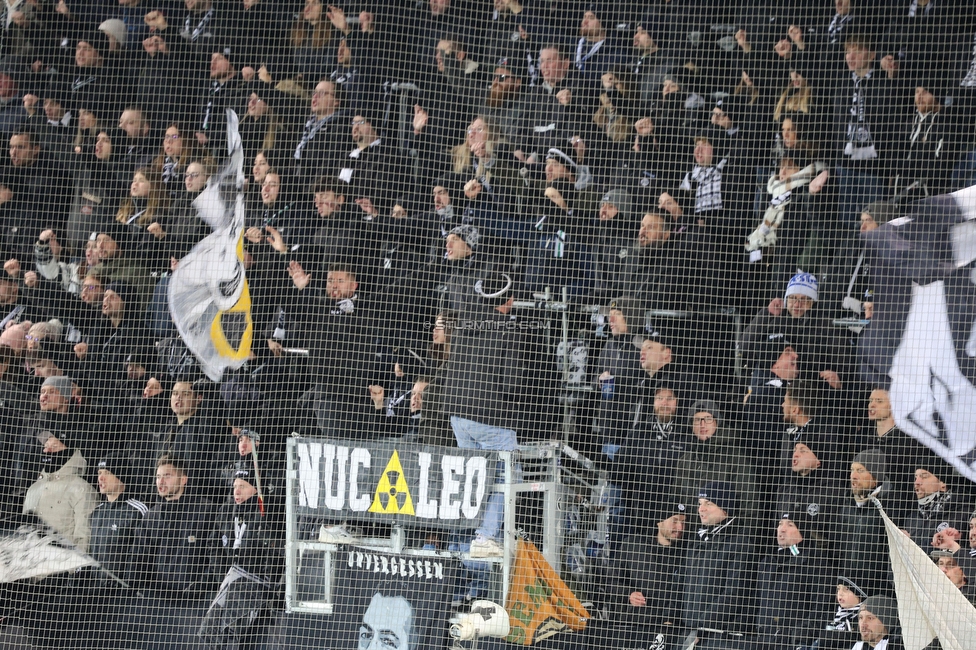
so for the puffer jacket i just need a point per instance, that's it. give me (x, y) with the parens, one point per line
(64, 500)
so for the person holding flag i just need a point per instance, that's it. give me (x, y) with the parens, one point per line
(248, 552)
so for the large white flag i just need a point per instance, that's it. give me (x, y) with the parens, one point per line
(209, 299)
(31, 553)
(923, 334)
(929, 605)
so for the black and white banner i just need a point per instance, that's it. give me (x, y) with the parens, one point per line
(391, 602)
(922, 339)
(390, 481)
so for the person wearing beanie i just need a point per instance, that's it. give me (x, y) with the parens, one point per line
(248, 538)
(115, 519)
(617, 370)
(795, 318)
(462, 242)
(612, 240)
(712, 457)
(861, 541)
(813, 490)
(929, 142)
(792, 589)
(225, 90)
(646, 584)
(938, 505)
(481, 373)
(60, 496)
(878, 624)
(841, 631)
(116, 32)
(848, 279)
(714, 591)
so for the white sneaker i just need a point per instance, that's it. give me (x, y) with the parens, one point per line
(337, 535)
(484, 547)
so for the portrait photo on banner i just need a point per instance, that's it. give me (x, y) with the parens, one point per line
(385, 601)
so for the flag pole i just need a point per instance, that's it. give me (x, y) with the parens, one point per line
(257, 477)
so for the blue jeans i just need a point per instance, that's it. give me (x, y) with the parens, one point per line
(475, 435)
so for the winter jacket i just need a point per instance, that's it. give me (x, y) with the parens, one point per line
(64, 500)
(863, 545)
(170, 554)
(644, 565)
(113, 530)
(716, 459)
(716, 578)
(248, 540)
(621, 359)
(794, 586)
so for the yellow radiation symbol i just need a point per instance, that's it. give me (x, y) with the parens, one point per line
(231, 331)
(392, 494)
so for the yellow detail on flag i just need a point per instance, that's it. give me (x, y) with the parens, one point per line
(225, 348)
(392, 493)
(539, 603)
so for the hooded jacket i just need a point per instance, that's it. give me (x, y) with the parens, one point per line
(64, 500)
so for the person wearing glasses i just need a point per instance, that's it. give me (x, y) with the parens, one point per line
(712, 455)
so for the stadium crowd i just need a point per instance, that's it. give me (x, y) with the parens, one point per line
(417, 174)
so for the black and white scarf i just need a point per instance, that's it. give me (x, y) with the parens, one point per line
(934, 504)
(845, 619)
(836, 26)
(708, 186)
(860, 141)
(969, 81)
(200, 29)
(312, 127)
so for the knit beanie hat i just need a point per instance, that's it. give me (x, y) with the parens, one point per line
(632, 311)
(802, 284)
(116, 29)
(874, 462)
(722, 494)
(882, 211)
(98, 40)
(469, 234)
(123, 290)
(706, 406)
(582, 172)
(885, 608)
(665, 509)
(62, 384)
(619, 199)
(853, 586)
(119, 464)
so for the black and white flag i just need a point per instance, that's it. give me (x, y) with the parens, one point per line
(922, 339)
